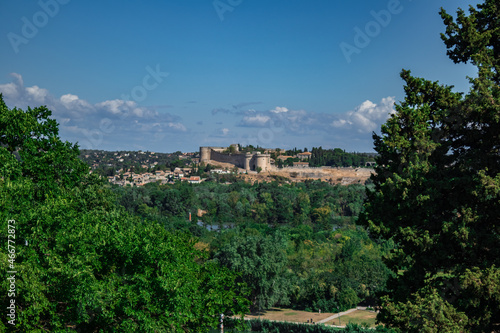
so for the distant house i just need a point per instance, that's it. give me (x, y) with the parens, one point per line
(304, 156)
(194, 180)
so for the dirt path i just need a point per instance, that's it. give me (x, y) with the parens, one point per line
(335, 316)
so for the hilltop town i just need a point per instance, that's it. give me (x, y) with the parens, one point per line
(137, 168)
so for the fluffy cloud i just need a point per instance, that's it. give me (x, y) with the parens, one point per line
(103, 125)
(367, 117)
(279, 109)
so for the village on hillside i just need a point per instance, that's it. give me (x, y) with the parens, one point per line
(137, 168)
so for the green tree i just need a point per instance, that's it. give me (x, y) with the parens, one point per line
(437, 190)
(302, 208)
(261, 262)
(30, 147)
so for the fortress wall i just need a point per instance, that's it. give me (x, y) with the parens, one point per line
(358, 173)
(244, 161)
(236, 159)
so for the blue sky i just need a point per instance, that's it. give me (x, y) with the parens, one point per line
(176, 74)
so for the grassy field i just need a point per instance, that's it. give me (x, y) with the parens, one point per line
(359, 317)
(290, 315)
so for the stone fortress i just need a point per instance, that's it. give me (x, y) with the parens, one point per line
(249, 161)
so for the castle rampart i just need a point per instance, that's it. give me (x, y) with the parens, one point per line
(246, 161)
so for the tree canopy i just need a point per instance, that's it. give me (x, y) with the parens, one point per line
(83, 263)
(261, 260)
(437, 190)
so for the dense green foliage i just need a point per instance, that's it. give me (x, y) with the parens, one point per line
(313, 202)
(437, 190)
(294, 244)
(82, 262)
(30, 148)
(338, 158)
(261, 261)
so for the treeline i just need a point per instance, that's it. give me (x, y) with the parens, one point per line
(316, 203)
(339, 158)
(294, 245)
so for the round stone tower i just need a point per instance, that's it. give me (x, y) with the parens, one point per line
(236, 147)
(205, 153)
(263, 162)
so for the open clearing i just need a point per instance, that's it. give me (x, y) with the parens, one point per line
(296, 316)
(357, 317)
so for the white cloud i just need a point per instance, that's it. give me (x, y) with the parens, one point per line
(340, 123)
(225, 131)
(38, 94)
(177, 126)
(9, 89)
(367, 117)
(70, 101)
(68, 98)
(279, 109)
(255, 121)
(98, 126)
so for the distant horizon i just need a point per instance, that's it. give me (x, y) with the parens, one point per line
(198, 150)
(170, 75)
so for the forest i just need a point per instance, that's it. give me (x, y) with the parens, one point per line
(295, 245)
